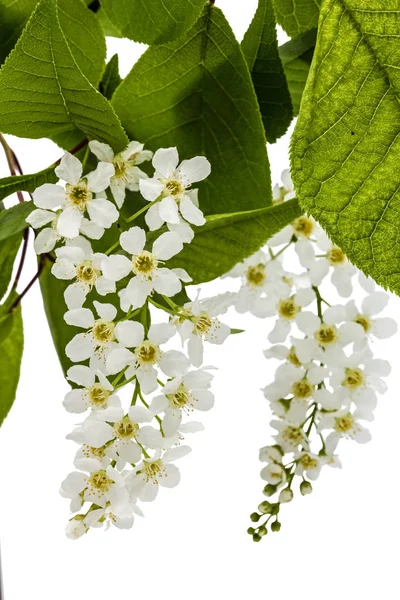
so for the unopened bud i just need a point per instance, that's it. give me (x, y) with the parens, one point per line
(269, 490)
(255, 517)
(286, 495)
(275, 526)
(262, 531)
(251, 531)
(265, 507)
(305, 488)
(256, 537)
(275, 509)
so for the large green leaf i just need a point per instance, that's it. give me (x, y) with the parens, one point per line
(43, 90)
(54, 304)
(196, 93)
(297, 16)
(346, 146)
(80, 26)
(225, 240)
(8, 251)
(296, 56)
(26, 183)
(154, 21)
(13, 220)
(11, 349)
(260, 47)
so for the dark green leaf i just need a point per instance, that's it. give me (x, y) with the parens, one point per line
(12, 221)
(11, 349)
(153, 22)
(225, 240)
(26, 183)
(260, 48)
(13, 17)
(345, 148)
(8, 251)
(297, 16)
(54, 305)
(296, 56)
(111, 78)
(196, 93)
(43, 90)
(108, 28)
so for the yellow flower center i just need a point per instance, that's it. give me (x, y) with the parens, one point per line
(303, 226)
(100, 482)
(98, 395)
(79, 195)
(292, 435)
(144, 264)
(344, 424)
(292, 357)
(103, 332)
(354, 378)
(364, 322)
(174, 187)
(326, 335)
(202, 324)
(181, 397)
(153, 469)
(86, 273)
(302, 389)
(308, 462)
(256, 275)
(147, 353)
(288, 309)
(126, 429)
(336, 256)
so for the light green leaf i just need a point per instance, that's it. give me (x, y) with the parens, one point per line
(346, 147)
(196, 93)
(43, 91)
(11, 349)
(8, 251)
(225, 240)
(12, 220)
(297, 16)
(54, 304)
(111, 78)
(260, 48)
(26, 183)
(153, 22)
(296, 56)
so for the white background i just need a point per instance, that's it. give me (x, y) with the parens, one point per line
(339, 542)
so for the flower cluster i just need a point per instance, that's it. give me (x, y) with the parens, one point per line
(328, 380)
(126, 453)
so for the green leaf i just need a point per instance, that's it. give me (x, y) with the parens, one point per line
(111, 78)
(345, 148)
(43, 90)
(11, 349)
(297, 16)
(153, 22)
(26, 183)
(296, 56)
(196, 93)
(54, 304)
(12, 220)
(225, 240)
(13, 17)
(8, 251)
(260, 48)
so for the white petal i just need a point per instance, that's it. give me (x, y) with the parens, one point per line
(39, 217)
(75, 296)
(116, 267)
(374, 303)
(137, 291)
(150, 437)
(165, 161)
(183, 229)
(182, 274)
(167, 245)
(80, 317)
(150, 189)
(48, 195)
(81, 375)
(307, 322)
(99, 179)
(118, 359)
(148, 380)
(92, 230)
(166, 282)
(172, 478)
(79, 348)
(46, 240)
(195, 169)
(195, 350)
(102, 212)
(74, 484)
(106, 311)
(168, 210)
(161, 333)
(171, 422)
(97, 433)
(174, 363)
(101, 151)
(74, 403)
(105, 286)
(190, 212)
(384, 328)
(133, 240)
(129, 333)
(69, 222)
(69, 169)
(140, 414)
(153, 219)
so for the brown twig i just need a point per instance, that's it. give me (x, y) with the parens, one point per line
(17, 301)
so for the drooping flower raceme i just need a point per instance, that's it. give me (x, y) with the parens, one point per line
(125, 453)
(328, 381)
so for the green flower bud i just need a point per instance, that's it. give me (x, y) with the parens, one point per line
(255, 517)
(251, 531)
(262, 531)
(256, 537)
(275, 526)
(305, 488)
(275, 509)
(286, 495)
(269, 490)
(265, 507)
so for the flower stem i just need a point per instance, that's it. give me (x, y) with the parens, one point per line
(142, 210)
(17, 301)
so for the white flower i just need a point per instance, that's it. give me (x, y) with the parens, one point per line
(183, 394)
(127, 173)
(95, 395)
(145, 266)
(289, 437)
(335, 258)
(274, 473)
(77, 199)
(76, 528)
(102, 335)
(286, 191)
(178, 204)
(156, 471)
(78, 262)
(121, 516)
(289, 311)
(308, 463)
(147, 355)
(99, 487)
(372, 305)
(345, 424)
(198, 324)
